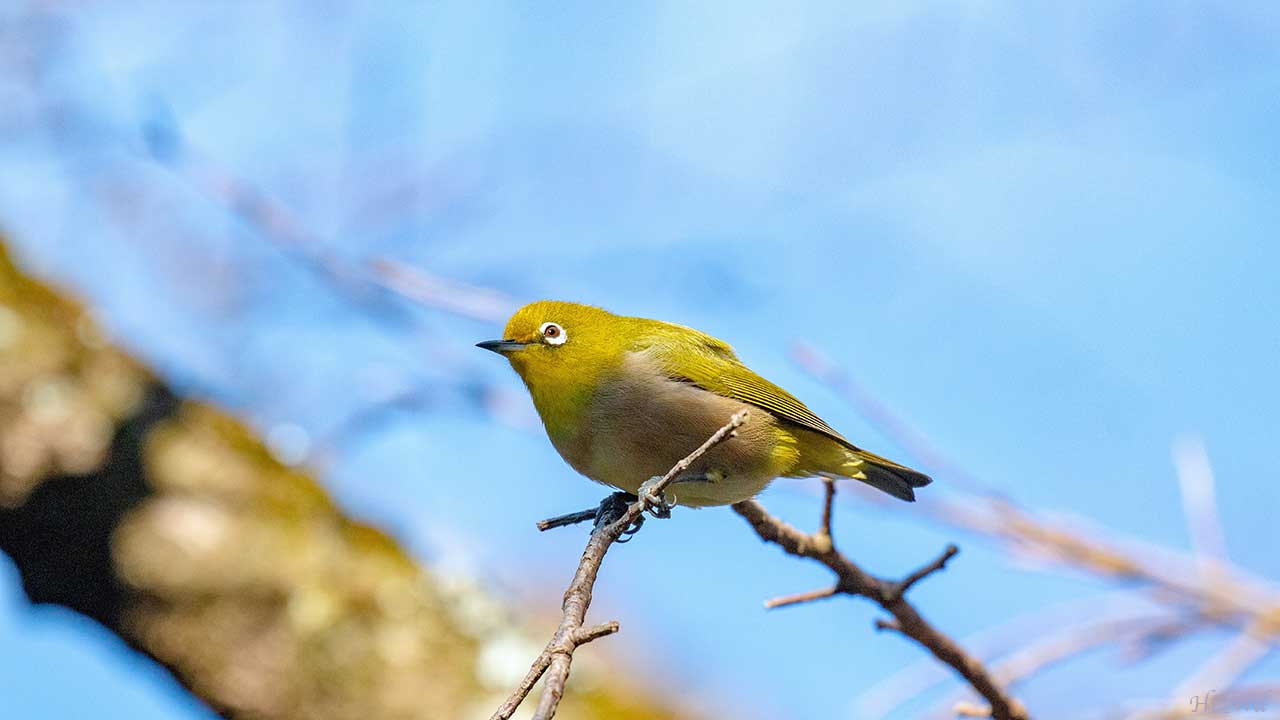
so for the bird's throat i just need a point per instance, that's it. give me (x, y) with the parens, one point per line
(562, 406)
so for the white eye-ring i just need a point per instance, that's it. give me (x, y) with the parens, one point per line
(553, 334)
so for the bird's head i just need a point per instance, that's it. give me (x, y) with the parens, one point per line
(561, 347)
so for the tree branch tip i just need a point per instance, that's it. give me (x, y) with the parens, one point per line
(582, 636)
(572, 518)
(804, 597)
(828, 501)
(899, 589)
(968, 709)
(882, 624)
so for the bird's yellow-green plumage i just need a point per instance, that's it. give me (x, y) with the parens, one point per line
(624, 398)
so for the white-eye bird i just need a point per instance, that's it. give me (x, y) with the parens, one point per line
(624, 398)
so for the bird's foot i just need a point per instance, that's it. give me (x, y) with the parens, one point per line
(613, 507)
(654, 502)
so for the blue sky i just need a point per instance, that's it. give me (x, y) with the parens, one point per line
(1045, 235)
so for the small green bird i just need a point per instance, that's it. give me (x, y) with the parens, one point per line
(624, 398)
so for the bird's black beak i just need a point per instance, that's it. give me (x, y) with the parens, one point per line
(502, 347)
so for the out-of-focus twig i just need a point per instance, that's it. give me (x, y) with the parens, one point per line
(998, 642)
(1244, 701)
(1199, 502)
(881, 417)
(1065, 644)
(276, 224)
(557, 656)
(1223, 668)
(472, 301)
(1235, 597)
(366, 419)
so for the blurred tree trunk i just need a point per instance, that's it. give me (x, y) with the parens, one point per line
(169, 523)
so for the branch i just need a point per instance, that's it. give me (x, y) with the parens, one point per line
(853, 580)
(900, 588)
(612, 524)
(572, 518)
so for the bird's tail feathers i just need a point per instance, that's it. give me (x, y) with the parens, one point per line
(880, 473)
(821, 455)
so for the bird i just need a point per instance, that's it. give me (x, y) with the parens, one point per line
(623, 399)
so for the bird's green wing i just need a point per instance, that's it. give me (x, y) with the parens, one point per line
(712, 365)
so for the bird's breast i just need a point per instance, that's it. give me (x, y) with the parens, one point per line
(641, 422)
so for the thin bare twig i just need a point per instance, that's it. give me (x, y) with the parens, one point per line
(970, 710)
(828, 500)
(901, 587)
(572, 518)
(853, 580)
(557, 656)
(804, 597)
(823, 535)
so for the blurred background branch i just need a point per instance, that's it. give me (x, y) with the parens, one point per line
(172, 525)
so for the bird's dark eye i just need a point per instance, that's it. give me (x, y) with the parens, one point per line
(553, 333)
